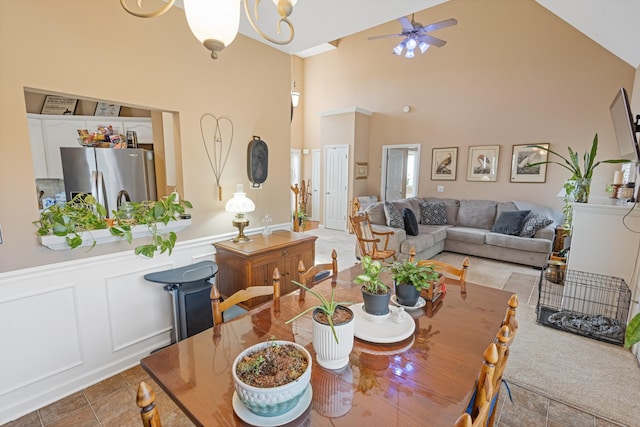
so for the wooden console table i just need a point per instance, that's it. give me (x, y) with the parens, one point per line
(252, 263)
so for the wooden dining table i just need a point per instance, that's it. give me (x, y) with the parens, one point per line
(426, 379)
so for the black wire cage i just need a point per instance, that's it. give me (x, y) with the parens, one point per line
(588, 304)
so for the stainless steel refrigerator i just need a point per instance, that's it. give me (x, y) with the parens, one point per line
(109, 174)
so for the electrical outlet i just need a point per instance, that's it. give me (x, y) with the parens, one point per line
(440, 188)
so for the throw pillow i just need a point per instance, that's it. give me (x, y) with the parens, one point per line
(394, 217)
(433, 213)
(510, 222)
(533, 223)
(410, 222)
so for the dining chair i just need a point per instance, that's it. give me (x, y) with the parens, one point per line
(317, 273)
(510, 317)
(218, 306)
(370, 239)
(480, 408)
(145, 399)
(447, 269)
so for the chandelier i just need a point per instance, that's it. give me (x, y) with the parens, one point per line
(216, 23)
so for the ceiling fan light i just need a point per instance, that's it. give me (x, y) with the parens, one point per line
(412, 43)
(400, 47)
(213, 20)
(410, 53)
(423, 47)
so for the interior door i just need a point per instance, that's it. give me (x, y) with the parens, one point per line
(315, 185)
(336, 178)
(396, 172)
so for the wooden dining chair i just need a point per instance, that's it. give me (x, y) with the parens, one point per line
(317, 273)
(218, 306)
(480, 408)
(370, 240)
(510, 317)
(447, 269)
(145, 399)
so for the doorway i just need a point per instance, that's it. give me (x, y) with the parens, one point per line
(336, 177)
(400, 171)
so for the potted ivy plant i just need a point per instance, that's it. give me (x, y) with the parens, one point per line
(579, 184)
(332, 330)
(410, 279)
(375, 294)
(79, 217)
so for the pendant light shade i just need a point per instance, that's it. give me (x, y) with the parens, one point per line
(214, 23)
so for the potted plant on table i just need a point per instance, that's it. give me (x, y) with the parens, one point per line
(579, 184)
(410, 279)
(332, 330)
(375, 294)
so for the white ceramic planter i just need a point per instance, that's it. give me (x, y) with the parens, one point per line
(329, 354)
(271, 402)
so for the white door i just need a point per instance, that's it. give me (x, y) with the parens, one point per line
(396, 172)
(315, 185)
(295, 176)
(336, 178)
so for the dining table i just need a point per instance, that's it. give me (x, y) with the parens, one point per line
(426, 378)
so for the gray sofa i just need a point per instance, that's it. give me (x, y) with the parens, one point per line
(468, 230)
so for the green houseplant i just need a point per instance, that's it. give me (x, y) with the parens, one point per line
(330, 318)
(410, 279)
(76, 219)
(375, 294)
(579, 183)
(632, 334)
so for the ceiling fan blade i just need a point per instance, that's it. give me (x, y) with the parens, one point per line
(434, 41)
(438, 25)
(384, 37)
(406, 24)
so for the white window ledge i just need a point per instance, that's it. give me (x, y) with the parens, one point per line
(58, 243)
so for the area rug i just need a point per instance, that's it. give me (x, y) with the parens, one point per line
(590, 375)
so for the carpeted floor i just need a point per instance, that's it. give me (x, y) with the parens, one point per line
(590, 375)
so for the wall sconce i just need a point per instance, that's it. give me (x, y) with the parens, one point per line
(216, 23)
(295, 96)
(239, 205)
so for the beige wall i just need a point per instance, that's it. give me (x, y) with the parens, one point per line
(511, 73)
(94, 50)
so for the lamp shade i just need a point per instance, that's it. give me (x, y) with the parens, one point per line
(213, 20)
(240, 203)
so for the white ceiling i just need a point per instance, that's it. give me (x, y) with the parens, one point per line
(614, 24)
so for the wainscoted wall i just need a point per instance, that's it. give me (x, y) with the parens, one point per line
(69, 325)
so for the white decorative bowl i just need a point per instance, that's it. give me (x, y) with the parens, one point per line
(271, 402)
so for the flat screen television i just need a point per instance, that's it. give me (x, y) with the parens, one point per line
(624, 126)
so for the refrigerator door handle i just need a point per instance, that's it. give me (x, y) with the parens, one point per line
(98, 190)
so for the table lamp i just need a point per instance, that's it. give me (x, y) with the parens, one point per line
(240, 204)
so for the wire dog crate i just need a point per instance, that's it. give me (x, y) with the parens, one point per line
(587, 304)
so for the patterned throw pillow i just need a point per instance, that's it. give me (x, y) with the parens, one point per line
(532, 223)
(394, 217)
(433, 213)
(410, 222)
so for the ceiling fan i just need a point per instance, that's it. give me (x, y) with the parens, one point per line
(415, 36)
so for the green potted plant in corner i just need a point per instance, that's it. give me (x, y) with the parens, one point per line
(579, 184)
(375, 294)
(410, 279)
(632, 334)
(332, 329)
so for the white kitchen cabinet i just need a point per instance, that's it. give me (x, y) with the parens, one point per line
(38, 156)
(59, 133)
(143, 130)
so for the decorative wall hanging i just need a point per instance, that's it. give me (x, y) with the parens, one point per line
(257, 161)
(525, 155)
(215, 144)
(444, 164)
(482, 164)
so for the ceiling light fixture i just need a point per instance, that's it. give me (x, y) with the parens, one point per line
(295, 96)
(216, 23)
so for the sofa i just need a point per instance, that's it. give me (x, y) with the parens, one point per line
(517, 232)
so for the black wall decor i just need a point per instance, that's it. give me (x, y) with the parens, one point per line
(257, 160)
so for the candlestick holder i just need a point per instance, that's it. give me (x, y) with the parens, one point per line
(616, 189)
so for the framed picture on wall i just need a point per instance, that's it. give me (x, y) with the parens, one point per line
(522, 157)
(482, 164)
(444, 164)
(59, 105)
(105, 109)
(362, 170)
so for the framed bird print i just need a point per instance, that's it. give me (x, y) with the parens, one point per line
(482, 164)
(525, 155)
(443, 164)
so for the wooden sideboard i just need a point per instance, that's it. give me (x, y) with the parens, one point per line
(252, 263)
